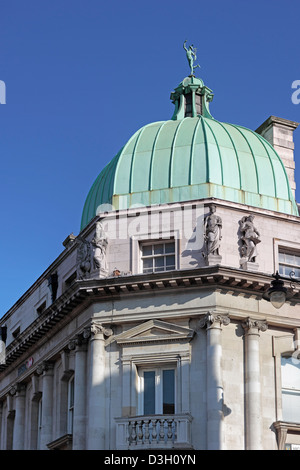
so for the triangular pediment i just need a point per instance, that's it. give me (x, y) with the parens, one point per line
(155, 330)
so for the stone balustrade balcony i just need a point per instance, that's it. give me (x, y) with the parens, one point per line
(154, 432)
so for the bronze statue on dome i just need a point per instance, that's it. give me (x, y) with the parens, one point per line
(191, 56)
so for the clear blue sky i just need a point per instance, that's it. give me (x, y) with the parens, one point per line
(82, 76)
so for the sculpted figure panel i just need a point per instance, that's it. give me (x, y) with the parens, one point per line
(83, 261)
(212, 232)
(91, 255)
(99, 243)
(250, 238)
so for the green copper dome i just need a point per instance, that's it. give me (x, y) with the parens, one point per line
(191, 157)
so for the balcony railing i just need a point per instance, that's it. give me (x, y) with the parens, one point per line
(154, 432)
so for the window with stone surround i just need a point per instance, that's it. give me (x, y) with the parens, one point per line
(41, 308)
(157, 390)
(290, 377)
(158, 256)
(288, 261)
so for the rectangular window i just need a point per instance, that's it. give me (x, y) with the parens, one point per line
(158, 256)
(149, 392)
(168, 391)
(290, 376)
(41, 308)
(70, 280)
(157, 391)
(289, 261)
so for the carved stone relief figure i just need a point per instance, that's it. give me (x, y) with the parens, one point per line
(212, 236)
(83, 262)
(91, 255)
(99, 243)
(250, 238)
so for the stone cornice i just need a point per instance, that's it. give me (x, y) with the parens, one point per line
(82, 293)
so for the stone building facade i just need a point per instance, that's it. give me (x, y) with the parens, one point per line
(151, 329)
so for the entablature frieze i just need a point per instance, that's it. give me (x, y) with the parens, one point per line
(82, 293)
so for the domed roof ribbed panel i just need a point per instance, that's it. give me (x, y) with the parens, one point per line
(192, 158)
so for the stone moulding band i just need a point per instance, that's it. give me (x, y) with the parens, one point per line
(84, 292)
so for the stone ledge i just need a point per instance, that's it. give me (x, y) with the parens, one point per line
(83, 293)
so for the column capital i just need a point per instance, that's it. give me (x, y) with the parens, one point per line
(254, 326)
(78, 342)
(17, 389)
(45, 367)
(214, 320)
(96, 329)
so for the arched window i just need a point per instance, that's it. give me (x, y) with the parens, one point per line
(290, 376)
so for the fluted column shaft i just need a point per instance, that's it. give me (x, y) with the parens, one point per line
(19, 431)
(96, 387)
(214, 387)
(252, 384)
(79, 420)
(47, 404)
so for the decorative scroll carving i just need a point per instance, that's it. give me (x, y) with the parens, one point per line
(252, 325)
(44, 367)
(250, 237)
(17, 388)
(212, 237)
(213, 318)
(77, 342)
(95, 329)
(13, 390)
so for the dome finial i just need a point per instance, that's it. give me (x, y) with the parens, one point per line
(191, 56)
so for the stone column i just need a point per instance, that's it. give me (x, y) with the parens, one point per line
(96, 387)
(19, 431)
(185, 379)
(128, 406)
(46, 369)
(252, 385)
(10, 421)
(36, 395)
(80, 381)
(214, 383)
(1, 425)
